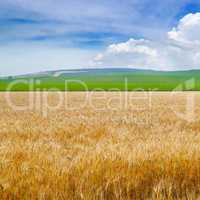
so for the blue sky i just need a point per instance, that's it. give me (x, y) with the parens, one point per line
(47, 35)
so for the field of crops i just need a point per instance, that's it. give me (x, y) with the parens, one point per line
(100, 146)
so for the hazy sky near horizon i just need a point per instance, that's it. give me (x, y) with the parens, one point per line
(50, 35)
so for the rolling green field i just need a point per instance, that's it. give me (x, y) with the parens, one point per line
(109, 80)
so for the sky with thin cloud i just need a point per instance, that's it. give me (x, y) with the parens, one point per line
(51, 35)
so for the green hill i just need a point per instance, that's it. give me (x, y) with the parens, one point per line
(104, 79)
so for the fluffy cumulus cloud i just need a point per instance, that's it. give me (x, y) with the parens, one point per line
(187, 32)
(137, 52)
(179, 50)
(133, 46)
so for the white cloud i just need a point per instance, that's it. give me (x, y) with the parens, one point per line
(180, 50)
(133, 46)
(98, 57)
(187, 33)
(133, 52)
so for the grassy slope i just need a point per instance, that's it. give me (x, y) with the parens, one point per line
(146, 80)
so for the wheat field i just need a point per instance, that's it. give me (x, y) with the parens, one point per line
(106, 146)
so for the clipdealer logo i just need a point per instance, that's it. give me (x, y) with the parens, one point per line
(188, 108)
